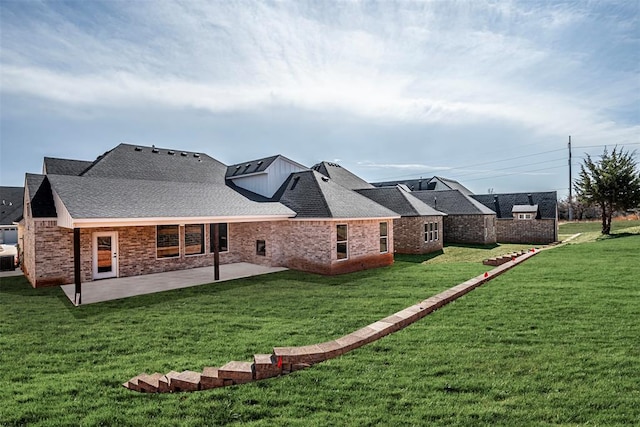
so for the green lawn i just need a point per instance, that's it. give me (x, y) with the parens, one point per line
(554, 341)
(591, 230)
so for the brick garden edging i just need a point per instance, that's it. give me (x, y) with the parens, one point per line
(285, 360)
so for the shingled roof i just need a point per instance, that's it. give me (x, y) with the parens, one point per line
(436, 183)
(452, 202)
(57, 166)
(250, 167)
(503, 204)
(399, 200)
(86, 198)
(341, 175)
(313, 195)
(156, 164)
(12, 203)
(40, 196)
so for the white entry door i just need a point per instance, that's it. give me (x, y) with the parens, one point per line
(105, 255)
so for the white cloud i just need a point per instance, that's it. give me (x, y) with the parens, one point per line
(547, 69)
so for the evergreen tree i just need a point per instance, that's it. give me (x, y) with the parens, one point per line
(613, 184)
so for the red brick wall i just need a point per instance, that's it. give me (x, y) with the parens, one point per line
(409, 235)
(526, 230)
(303, 245)
(49, 258)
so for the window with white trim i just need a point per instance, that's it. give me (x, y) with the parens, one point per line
(524, 216)
(167, 241)
(194, 239)
(342, 241)
(430, 232)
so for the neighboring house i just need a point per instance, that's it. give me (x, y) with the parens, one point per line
(139, 210)
(524, 217)
(437, 183)
(10, 213)
(329, 215)
(468, 221)
(419, 229)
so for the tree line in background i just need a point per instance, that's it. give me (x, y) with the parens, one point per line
(605, 188)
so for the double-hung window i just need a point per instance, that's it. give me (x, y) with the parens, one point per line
(194, 239)
(384, 235)
(167, 241)
(342, 241)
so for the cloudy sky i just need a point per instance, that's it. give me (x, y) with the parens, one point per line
(486, 92)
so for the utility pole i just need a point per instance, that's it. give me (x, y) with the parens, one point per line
(570, 185)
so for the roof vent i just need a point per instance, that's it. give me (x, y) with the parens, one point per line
(138, 148)
(183, 154)
(295, 182)
(155, 150)
(196, 154)
(171, 152)
(247, 165)
(260, 162)
(325, 179)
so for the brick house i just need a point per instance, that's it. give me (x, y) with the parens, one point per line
(524, 217)
(10, 213)
(139, 210)
(467, 221)
(419, 228)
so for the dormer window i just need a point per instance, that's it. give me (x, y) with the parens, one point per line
(525, 211)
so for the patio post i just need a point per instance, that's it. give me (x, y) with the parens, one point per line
(76, 266)
(216, 251)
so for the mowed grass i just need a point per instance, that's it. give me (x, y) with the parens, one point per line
(592, 230)
(553, 341)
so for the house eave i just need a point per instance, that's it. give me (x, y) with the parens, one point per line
(138, 222)
(346, 219)
(232, 177)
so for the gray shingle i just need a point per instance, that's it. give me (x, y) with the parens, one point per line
(452, 202)
(157, 164)
(436, 183)
(40, 196)
(399, 201)
(100, 197)
(250, 167)
(341, 175)
(313, 195)
(57, 166)
(12, 203)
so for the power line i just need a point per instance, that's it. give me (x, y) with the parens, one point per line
(478, 164)
(515, 173)
(511, 167)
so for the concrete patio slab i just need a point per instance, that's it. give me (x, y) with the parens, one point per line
(110, 289)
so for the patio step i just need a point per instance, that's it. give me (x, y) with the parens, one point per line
(496, 261)
(285, 360)
(185, 381)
